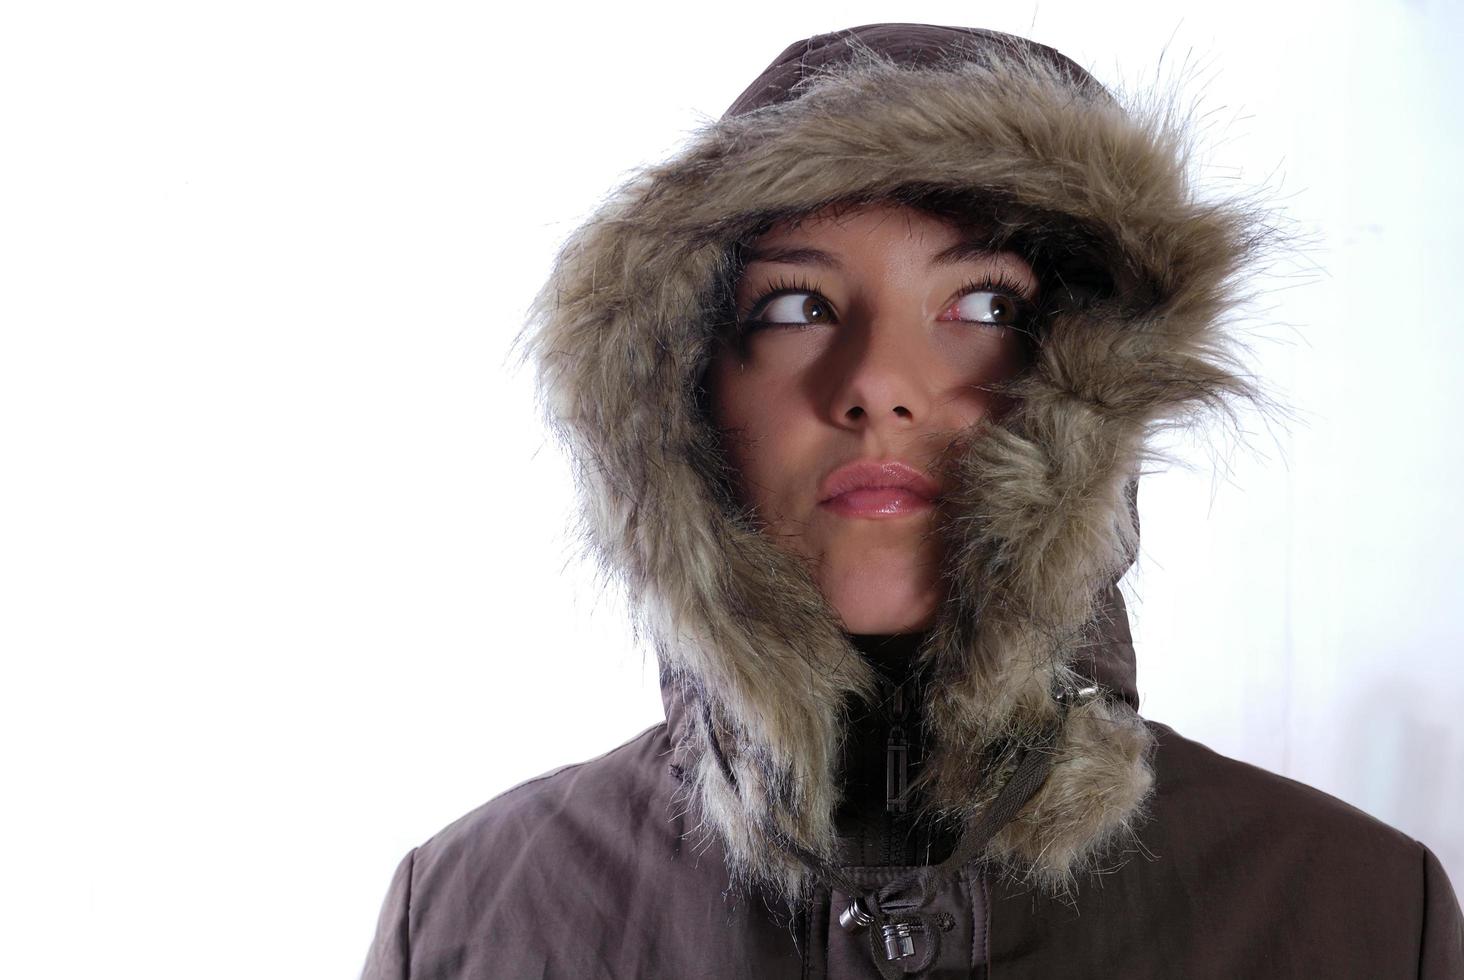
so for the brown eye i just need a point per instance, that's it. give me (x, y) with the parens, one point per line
(799, 308)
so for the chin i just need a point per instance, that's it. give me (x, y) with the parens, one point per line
(882, 589)
(895, 609)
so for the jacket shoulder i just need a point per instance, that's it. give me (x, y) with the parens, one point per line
(553, 800)
(1237, 871)
(1336, 877)
(500, 870)
(599, 851)
(1196, 783)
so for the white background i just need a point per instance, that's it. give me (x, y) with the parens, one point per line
(284, 585)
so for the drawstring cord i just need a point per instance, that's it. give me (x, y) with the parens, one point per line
(894, 913)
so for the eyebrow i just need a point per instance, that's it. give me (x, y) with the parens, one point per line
(794, 256)
(962, 251)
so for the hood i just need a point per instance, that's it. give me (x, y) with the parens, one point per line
(757, 674)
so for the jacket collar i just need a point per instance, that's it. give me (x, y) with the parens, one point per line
(1110, 662)
(756, 673)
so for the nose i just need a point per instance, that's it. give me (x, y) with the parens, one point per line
(882, 378)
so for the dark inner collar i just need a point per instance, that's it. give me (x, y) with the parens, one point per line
(893, 655)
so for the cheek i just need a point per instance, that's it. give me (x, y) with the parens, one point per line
(740, 417)
(977, 369)
(757, 422)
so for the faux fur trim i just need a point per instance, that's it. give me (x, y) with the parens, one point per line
(756, 670)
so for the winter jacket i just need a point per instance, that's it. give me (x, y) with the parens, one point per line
(985, 800)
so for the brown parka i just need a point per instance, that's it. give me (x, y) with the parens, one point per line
(982, 799)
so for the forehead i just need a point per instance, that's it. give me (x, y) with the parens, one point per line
(839, 236)
(848, 222)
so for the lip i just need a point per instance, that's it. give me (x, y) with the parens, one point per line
(869, 488)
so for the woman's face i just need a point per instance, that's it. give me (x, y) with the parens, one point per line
(866, 341)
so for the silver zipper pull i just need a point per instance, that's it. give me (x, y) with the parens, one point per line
(897, 752)
(897, 756)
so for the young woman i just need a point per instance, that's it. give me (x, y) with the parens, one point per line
(859, 386)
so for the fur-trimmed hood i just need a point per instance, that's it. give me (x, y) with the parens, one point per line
(757, 674)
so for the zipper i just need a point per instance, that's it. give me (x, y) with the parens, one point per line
(897, 781)
(897, 755)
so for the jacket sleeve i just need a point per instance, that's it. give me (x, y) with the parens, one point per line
(1442, 954)
(390, 955)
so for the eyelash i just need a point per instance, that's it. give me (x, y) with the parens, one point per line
(1002, 282)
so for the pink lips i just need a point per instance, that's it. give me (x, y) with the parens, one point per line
(870, 489)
